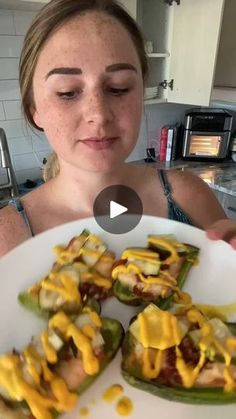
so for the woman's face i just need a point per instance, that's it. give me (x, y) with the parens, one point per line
(88, 92)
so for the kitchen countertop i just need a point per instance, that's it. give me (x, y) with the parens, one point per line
(219, 176)
(23, 188)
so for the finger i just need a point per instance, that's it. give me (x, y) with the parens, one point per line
(233, 243)
(222, 229)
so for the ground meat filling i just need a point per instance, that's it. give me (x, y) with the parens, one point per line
(169, 375)
(93, 290)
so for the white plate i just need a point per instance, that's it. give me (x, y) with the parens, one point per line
(213, 281)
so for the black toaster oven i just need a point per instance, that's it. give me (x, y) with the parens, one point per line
(206, 134)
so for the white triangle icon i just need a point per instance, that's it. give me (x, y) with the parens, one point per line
(116, 209)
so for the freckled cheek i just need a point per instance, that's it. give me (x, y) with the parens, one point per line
(132, 113)
(53, 119)
(56, 128)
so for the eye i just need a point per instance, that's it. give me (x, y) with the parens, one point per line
(68, 95)
(118, 92)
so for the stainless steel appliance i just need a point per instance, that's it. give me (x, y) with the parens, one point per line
(206, 134)
(6, 163)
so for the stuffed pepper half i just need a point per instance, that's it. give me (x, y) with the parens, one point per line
(46, 377)
(82, 271)
(185, 357)
(155, 273)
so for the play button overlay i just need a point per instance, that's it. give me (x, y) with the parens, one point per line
(117, 209)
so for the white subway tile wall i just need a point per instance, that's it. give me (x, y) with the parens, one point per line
(10, 45)
(9, 68)
(27, 146)
(2, 113)
(22, 21)
(6, 23)
(12, 109)
(9, 89)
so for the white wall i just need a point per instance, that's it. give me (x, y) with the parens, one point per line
(155, 116)
(27, 147)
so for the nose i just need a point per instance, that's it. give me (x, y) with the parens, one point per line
(98, 109)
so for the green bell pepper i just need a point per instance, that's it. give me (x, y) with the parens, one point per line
(127, 296)
(31, 303)
(132, 373)
(112, 333)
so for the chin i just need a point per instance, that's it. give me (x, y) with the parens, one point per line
(102, 166)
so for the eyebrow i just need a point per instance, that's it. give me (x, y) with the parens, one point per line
(77, 71)
(64, 70)
(120, 66)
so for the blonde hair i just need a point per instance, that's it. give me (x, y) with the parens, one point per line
(53, 15)
(51, 168)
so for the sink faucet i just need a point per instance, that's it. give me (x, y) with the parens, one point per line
(6, 163)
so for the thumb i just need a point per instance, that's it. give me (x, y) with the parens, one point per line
(222, 230)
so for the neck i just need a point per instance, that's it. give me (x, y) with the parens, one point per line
(79, 188)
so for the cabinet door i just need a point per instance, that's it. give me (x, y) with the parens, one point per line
(130, 6)
(194, 41)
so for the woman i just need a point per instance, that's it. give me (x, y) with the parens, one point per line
(82, 73)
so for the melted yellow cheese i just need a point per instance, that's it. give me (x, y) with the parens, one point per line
(95, 318)
(169, 246)
(62, 284)
(14, 367)
(112, 392)
(164, 278)
(96, 279)
(84, 411)
(159, 330)
(50, 352)
(224, 312)
(187, 373)
(12, 379)
(88, 331)
(143, 254)
(66, 256)
(124, 406)
(156, 328)
(61, 322)
(149, 280)
(90, 362)
(152, 369)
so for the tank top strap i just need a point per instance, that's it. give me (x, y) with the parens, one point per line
(17, 204)
(165, 183)
(175, 212)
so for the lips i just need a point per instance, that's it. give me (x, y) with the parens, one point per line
(99, 143)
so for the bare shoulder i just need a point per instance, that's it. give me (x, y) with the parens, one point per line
(13, 230)
(195, 197)
(188, 184)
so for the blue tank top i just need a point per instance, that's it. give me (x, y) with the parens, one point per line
(16, 202)
(174, 211)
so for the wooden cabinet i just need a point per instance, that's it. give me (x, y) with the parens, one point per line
(186, 35)
(193, 47)
(224, 86)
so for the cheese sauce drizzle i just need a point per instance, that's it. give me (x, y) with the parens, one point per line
(21, 374)
(168, 333)
(89, 246)
(166, 280)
